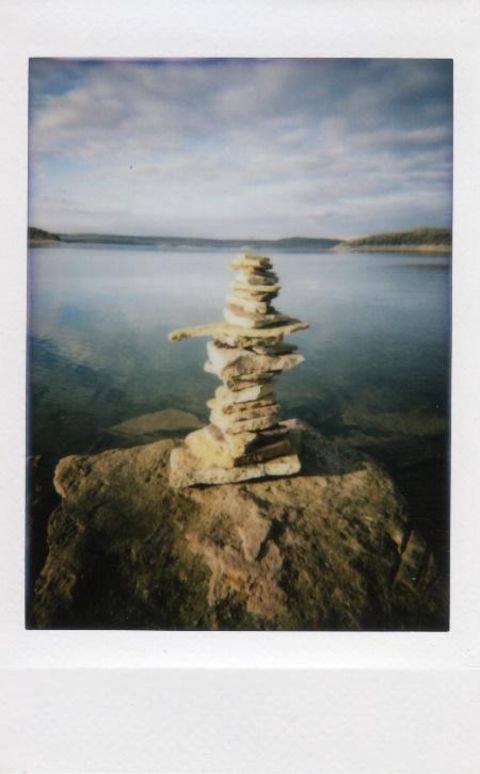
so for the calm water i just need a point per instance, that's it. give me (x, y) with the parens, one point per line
(377, 354)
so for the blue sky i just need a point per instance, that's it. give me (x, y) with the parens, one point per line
(240, 147)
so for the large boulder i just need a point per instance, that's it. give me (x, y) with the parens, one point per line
(330, 548)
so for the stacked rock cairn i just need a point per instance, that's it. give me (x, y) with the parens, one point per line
(245, 438)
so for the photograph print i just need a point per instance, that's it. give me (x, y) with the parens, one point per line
(239, 294)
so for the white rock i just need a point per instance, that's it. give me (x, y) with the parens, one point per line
(240, 409)
(248, 304)
(237, 316)
(241, 396)
(248, 260)
(232, 361)
(267, 290)
(243, 320)
(228, 425)
(254, 278)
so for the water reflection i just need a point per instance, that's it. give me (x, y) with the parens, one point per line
(378, 343)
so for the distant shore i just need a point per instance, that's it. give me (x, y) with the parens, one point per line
(345, 247)
(340, 248)
(417, 240)
(423, 239)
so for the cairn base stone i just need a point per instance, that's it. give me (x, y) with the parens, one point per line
(188, 470)
(202, 460)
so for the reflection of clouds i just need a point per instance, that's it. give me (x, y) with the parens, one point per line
(237, 148)
(376, 322)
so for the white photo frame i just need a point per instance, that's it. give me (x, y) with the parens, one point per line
(204, 701)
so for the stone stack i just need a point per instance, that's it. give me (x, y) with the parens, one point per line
(245, 438)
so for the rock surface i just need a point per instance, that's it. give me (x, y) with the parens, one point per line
(329, 549)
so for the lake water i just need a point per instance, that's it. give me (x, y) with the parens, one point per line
(376, 373)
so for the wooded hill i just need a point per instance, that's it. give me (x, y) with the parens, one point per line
(417, 236)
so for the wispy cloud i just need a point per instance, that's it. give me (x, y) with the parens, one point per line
(240, 147)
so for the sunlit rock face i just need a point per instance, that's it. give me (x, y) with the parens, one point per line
(245, 438)
(331, 548)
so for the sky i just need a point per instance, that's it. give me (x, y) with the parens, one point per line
(240, 148)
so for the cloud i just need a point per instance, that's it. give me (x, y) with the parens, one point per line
(224, 147)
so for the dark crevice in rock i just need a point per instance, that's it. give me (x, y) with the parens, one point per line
(275, 531)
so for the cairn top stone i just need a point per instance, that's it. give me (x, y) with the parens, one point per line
(248, 260)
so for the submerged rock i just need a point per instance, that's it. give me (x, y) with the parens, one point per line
(330, 548)
(158, 421)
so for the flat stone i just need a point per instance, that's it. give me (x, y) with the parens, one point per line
(254, 289)
(240, 380)
(224, 419)
(275, 349)
(225, 395)
(246, 342)
(252, 277)
(280, 448)
(227, 424)
(274, 434)
(239, 409)
(213, 446)
(238, 316)
(188, 470)
(252, 377)
(248, 304)
(236, 335)
(248, 260)
(238, 443)
(266, 297)
(237, 382)
(231, 361)
(207, 444)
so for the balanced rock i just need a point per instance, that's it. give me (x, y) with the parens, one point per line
(247, 352)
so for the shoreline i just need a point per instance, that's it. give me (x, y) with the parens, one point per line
(44, 242)
(342, 248)
(428, 248)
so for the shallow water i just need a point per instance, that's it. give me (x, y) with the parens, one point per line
(377, 354)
